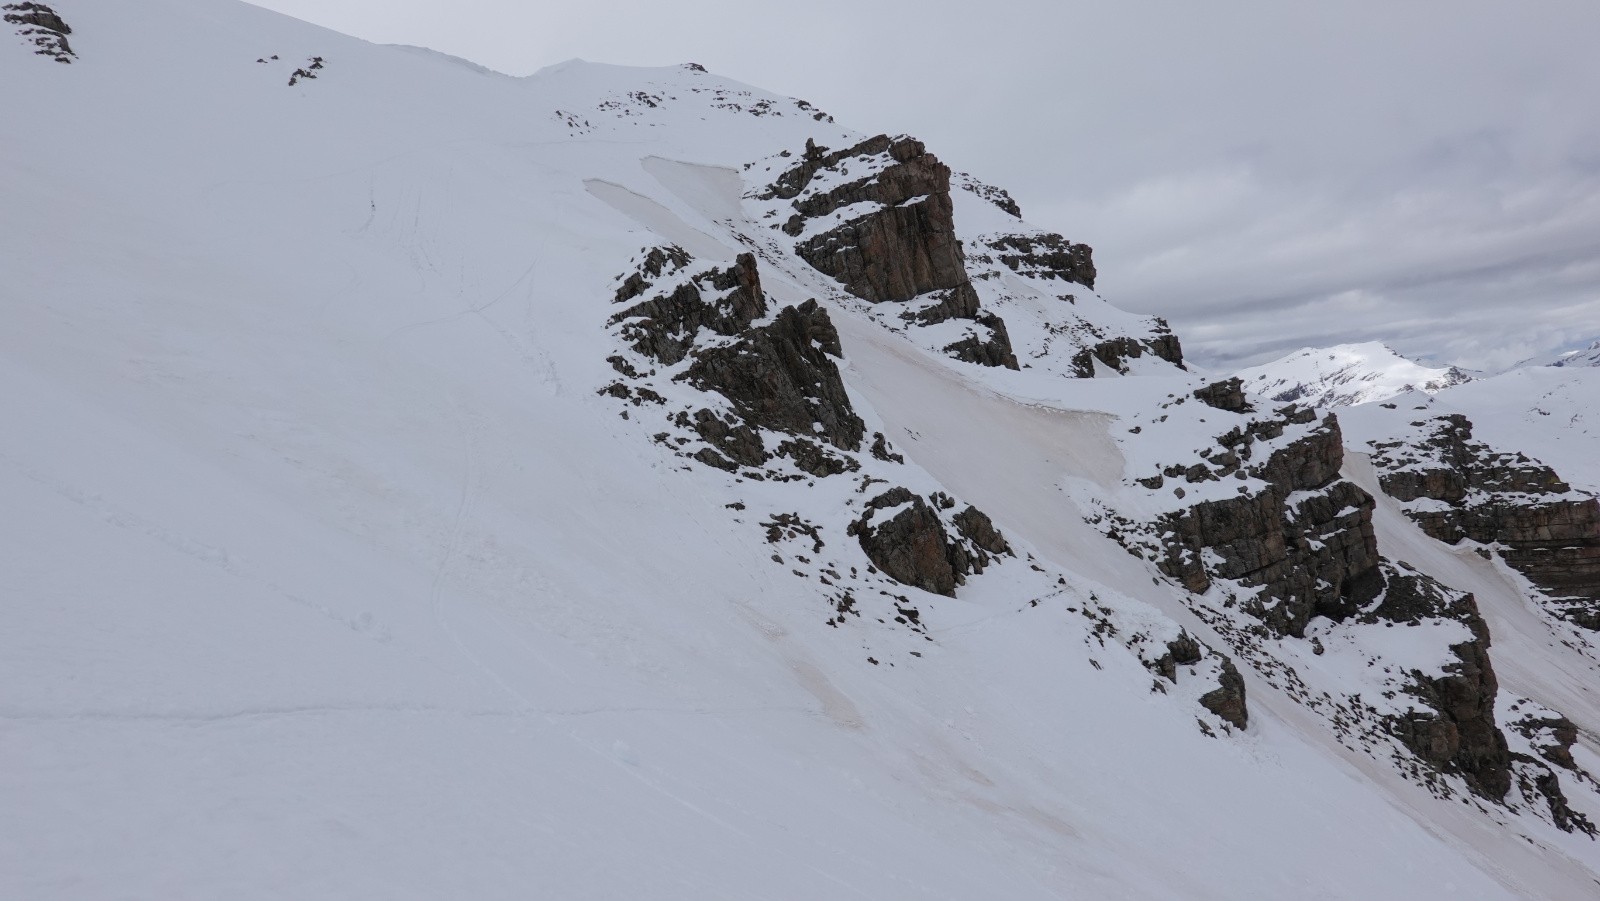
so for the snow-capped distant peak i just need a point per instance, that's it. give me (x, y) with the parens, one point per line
(1346, 375)
(1583, 356)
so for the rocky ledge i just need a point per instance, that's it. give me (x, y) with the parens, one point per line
(1459, 488)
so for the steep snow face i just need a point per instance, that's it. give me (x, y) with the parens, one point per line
(1346, 375)
(337, 568)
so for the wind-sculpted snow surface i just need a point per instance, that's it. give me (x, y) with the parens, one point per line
(426, 483)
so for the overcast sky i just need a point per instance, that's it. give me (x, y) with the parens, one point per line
(1267, 175)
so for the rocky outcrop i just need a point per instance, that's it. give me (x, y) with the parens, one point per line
(42, 28)
(307, 72)
(913, 547)
(665, 327)
(906, 246)
(783, 377)
(1306, 540)
(975, 526)
(778, 376)
(1227, 394)
(1045, 256)
(1457, 732)
(1227, 700)
(1080, 335)
(1458, 488)
(1114, 353)
(1551, 735)
(1548, 785)
(879, 218)
(994, 350)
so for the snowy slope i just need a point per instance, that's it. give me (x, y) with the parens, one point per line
(329, 572)
(1346, 375)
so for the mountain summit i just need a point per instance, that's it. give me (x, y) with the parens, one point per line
(1345, 375)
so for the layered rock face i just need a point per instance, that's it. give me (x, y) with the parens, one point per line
(666, 325)
(43, 28)
(1296, 543)
(1458, 733)
(878, 217)
(1457, 488)
(1306, 540)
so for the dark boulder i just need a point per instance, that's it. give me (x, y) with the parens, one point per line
(914, 548)
(1228, 699)
(911, 546)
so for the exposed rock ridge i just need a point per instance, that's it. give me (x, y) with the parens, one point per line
(1542, 741)
(43, 28)
(1114, 353)
(1457, 488)
(1294, 557)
